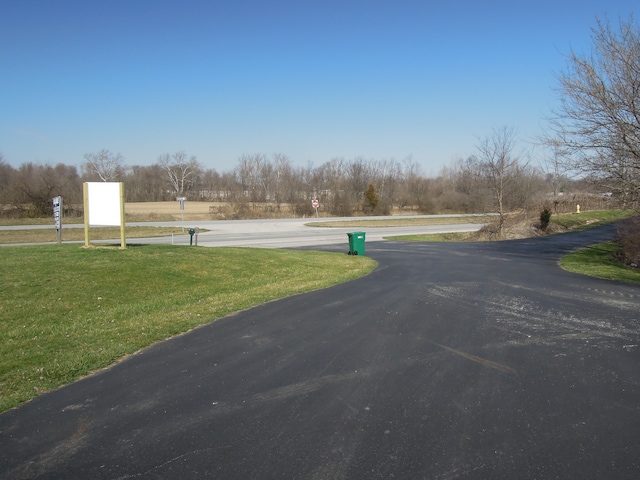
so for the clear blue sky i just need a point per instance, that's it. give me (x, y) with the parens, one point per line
(313, 79)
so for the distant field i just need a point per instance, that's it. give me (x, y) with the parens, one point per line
(137, 211)
(164, 211)
(168, 210)
(171, 208)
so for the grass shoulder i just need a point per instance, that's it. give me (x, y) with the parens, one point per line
(76, 310)
(400, 221)
(576, 222)
(599, 261)
(41, 235)
(434, 237)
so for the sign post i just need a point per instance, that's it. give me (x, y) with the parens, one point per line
(181, 200)
(315, 204)
(57, 217)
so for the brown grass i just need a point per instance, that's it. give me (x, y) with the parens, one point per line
(166, 211)
(402, 221)
(523, 225)
(77, 234)
(159, 211)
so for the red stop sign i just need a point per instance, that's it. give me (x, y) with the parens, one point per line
(314, 203)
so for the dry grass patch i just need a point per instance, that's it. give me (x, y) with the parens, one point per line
(404, 222)
(520, 225)
(77, 234)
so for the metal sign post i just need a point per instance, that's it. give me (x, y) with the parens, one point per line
(181, 200)
(57, 217)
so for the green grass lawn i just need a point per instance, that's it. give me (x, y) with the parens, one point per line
(67, 311)
(599, 261)
(576, 222)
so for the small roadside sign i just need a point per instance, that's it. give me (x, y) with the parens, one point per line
(57, 217)
(181, 200)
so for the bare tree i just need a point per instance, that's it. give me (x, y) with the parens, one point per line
(231, 188)
(499, 166)
(597, 124)
(385, 175)
(555, 173)
(267, 180)
(145, 184)
(106, 165)
(415, 190)
(462, 186)
(253, 174)
(357, 177)
(329, 182)
(212, 187)
(6, 174)
(179, 170)
(282, 172)
(35, 185)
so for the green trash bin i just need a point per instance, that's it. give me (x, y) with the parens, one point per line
(356, 243)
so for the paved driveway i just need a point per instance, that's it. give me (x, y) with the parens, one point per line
(449, 361)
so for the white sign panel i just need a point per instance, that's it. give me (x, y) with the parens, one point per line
(104, 203)
(57, 213)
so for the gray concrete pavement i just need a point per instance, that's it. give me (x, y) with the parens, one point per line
(287, 234)
(280, 233)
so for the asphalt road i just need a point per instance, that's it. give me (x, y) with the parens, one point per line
(449, 361)
(290, 233)
(280, 233)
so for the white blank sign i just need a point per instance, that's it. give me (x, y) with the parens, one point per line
(104, 203)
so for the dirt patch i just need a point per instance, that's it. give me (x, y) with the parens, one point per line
(516, 226)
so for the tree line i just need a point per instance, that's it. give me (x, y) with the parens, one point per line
(496, 180)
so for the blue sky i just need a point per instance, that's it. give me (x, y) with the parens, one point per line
(311, 79)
